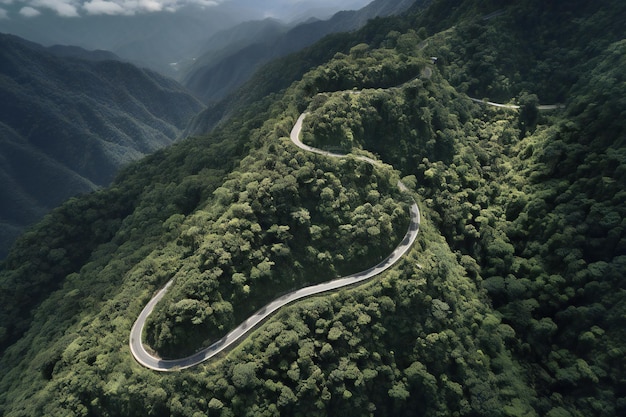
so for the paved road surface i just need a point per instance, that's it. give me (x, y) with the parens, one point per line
(151, 361)
(515, 106)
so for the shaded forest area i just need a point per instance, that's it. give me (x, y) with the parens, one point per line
(69, 120)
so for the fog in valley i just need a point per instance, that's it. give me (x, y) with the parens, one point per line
(153, 33)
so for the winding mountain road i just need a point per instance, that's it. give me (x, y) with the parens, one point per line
(151, 361)
(543, 107)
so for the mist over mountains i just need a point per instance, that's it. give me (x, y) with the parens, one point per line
(153, 34)
(220, 71)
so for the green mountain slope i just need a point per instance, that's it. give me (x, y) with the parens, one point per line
(68, 125)
(509, 304)
(278, 74)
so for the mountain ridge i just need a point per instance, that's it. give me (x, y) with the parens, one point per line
(78, 121)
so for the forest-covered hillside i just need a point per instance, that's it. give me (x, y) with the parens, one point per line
(69, 119)
(510, 303)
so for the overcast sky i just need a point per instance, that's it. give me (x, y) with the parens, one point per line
(11, 9)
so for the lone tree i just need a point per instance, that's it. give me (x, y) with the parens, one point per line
(528, 113)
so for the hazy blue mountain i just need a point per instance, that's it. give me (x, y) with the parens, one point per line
(70, 51)
(67, 125)
(153, 39)
(294, 10)
(213, 79)
(146, 37)
(222, 44)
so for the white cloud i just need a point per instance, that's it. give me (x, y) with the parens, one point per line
(64, 8)
(152, 5)
(74, 8)
(132, 7)
(103, 7)
(29, 11)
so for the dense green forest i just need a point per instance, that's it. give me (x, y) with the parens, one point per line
(510, 303)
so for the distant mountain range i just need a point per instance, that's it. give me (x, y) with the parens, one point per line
(69, 119)
(227, 65)
(154, 39)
